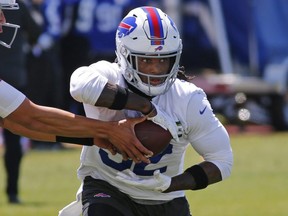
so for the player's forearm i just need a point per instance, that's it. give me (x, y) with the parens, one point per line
(133, 102)
(63, 123)
(36, 135)
(186, 181)
(57, 122)
(23, 131)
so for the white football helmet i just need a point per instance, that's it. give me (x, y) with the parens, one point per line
(148, 32)
(9, 5)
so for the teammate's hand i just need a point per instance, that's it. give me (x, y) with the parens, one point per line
(122, 137)
(158, 182)
(105, 144)
(164, 120)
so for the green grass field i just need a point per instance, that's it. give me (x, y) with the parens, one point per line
(258, 185)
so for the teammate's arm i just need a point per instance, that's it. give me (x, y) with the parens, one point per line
(62, 123)
(56, 121)
(40, 136)
(24, 131)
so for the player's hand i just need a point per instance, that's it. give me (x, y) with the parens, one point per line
(124, 140)
(158, 182)
(105, 144)
(159, 117)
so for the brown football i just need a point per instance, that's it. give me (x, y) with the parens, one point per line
(152, 136)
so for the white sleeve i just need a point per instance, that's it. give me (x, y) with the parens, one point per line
(215, 147)
(10, 99)
(208, 136)
(84, 83)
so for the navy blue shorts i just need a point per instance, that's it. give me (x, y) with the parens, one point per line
(101, 198)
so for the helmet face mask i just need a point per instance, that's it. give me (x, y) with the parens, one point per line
(14, 28)
(8, 5)
(148, 33)
(143, 81)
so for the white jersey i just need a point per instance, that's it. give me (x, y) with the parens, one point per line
(184, 102)
(10, 99)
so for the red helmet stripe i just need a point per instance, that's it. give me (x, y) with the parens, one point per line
(155, 25)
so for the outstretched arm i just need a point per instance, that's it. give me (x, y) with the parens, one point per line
(24, 131)
(36, 135)
(58, 122)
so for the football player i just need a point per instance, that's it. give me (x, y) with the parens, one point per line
(23, 117)
(144, 81)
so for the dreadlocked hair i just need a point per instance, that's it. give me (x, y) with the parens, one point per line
(182, 76)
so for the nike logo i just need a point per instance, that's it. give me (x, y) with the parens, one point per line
(202, 111)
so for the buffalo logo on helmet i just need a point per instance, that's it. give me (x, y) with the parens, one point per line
(159, 48)
(126, 26)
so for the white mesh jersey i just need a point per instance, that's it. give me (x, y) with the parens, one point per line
(10, 99)
(185, 102)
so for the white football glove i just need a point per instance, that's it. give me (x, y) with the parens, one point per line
(165, 121)
(158, 182)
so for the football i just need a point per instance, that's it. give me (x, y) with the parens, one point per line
(152, 136)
